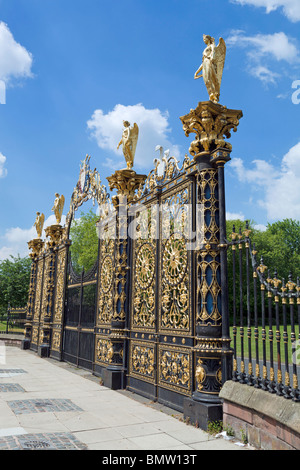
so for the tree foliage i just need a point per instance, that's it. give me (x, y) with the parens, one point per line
(14, 282)
(279, 245)
(84, 248)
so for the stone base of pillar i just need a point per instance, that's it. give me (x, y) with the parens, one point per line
(114, 378)
(43, 350)
(25, 344)
(201, 413)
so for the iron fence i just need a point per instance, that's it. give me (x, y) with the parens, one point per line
(265, 319)
(14, 321)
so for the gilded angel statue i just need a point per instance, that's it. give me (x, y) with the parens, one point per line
(39, 224)
(58, 207)
(129, 142)
(212, 66)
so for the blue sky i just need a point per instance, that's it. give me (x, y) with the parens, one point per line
(74, 69)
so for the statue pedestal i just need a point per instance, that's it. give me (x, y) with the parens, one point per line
(126, 182)
(55, 233)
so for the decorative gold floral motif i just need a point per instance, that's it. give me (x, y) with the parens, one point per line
(144, 294)
(142, 360)
(38, 291)
(106, 277)
(60, 286)
(145, 265)
(104, 351)
(174, 369)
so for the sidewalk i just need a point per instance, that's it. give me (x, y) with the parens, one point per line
(45, 404)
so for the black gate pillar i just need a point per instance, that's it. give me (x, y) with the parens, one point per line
(212, 355)
(36, 245)
(54, 232)
(126, 182)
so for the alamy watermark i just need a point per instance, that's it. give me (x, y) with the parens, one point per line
(137, 221)
(296, 94)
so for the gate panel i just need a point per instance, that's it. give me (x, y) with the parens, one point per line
(161, 327)
(143, 334)
(80, 316)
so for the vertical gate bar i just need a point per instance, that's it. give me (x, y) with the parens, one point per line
(294, 392)
(79, 316)
(226, 352)
(297, 358)
(256, 333)
(264, 337)
(285, 343)
(250, 370)
(234, 330)
(278, 338)
(271, 384)
(242, 366)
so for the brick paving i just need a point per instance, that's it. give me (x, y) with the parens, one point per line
(40, 406)
(7, 387)
(42, 441)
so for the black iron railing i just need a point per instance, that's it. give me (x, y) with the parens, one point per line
(14, 321)
(265, 319)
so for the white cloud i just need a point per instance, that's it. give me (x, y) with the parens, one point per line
(153, 130)
(3, 170)
(281, 186)
(15, 239)
(290, 8)
(265, 51)
(15, 60)
(234, 216)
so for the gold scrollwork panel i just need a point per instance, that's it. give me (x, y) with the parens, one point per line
(144, 279)
(104, 351)
(142, 361)
(106, 281)
(38, 290)
(56, 340)
(175, 369)
(60, 286)
(175, 298)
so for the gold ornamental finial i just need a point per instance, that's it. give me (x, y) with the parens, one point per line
(58, 207)
(212, 66)
(39, 224)
(129, 142)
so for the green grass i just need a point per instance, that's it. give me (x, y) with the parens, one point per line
(10, 329)
(260, 343)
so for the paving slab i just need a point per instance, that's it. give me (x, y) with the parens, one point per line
(47, 405)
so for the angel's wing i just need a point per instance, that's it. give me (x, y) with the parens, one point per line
(42, 221)
(220, 54)
(61, 203)
(134, 137)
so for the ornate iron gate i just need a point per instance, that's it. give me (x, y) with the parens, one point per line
(161, 324)
(80, 317)
(152, 315)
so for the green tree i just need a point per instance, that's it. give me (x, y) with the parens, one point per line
(84, 248)
(14, 282)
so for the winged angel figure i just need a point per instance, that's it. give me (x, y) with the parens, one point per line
(58, 207)
(212, 66)
(39, 224)
(129, 142)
